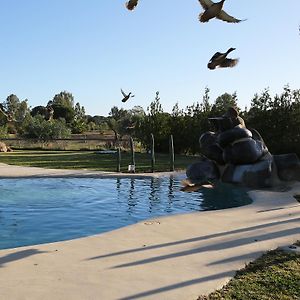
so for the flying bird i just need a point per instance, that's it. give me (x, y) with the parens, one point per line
(131, 4)
(126, 97)
(220, 60)
(215, 10)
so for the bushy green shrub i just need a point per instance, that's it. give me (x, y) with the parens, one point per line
(41, 129)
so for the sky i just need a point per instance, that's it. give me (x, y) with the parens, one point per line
(92, 48)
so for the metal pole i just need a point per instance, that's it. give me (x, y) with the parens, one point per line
(132, 155)
(171, 147)
(152, 153)
(118, 159)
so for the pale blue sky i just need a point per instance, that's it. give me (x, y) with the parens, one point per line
(92, 48)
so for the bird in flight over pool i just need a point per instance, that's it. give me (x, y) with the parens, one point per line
(131, 4)
(215, 10)
(126, 96)
(220, 60)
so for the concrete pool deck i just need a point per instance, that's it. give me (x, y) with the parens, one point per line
(174, 257)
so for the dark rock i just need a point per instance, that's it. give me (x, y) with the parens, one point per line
(288, 166)
(209, 148)
(215, 153)
(245, 151)
(203, 170)
(256, 175)
(207, 139)
(229, 136)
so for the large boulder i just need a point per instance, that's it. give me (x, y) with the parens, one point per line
(244, 151)
(203, 171)
(260, 174)
(209, 148)
(229, 136)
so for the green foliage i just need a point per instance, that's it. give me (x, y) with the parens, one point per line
(123, 122)
(222, 103)
(79, 123)
(275, 275)
(63, 112)
(3, 131)
(38, 110)
(157, 123)
(64, 99)
(44, 130)
(277, 120)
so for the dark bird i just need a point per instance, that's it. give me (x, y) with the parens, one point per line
(220, 60)
(215, 10)
(131, 4)
(126, 97)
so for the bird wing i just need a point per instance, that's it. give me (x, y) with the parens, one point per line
(206, 4)
(215, 56)
(227, 18)
(228, 62)
(131, 4)
(123, 93)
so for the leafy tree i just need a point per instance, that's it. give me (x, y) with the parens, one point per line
(63, 106)
(222, 103)
(156, 122)
(44, 130)
(277, 119)
(79, 124)
(63, 99)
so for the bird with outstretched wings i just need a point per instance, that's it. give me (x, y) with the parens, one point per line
(220, 60)
(126, 96)
(215, 10)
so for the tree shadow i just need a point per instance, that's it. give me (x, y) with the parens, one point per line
(216, 246)
(180, 285)
(200, 238)
(244, 257)
(18, 255)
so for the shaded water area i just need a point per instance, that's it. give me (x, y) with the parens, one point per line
(42, 210)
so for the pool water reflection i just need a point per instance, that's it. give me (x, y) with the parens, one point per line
(34, 211)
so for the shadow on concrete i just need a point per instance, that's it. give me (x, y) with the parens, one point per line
(18, 255)
(216, 246)
(277, 208)
(245, 258)
(200, 238)
(179, 285)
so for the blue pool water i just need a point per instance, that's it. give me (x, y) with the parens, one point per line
(34, 211)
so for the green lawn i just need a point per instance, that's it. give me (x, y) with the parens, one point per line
(274, 276)
(92, 160)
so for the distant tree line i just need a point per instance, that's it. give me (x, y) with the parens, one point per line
(277, 119)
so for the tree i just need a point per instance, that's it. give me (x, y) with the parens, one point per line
(63, 106)
(63, 99)
(223, 102)
(277, 119)
(79, 124)
(156, 122)
(44, 130)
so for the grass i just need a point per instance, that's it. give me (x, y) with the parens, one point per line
(273, 276)
(92, 160)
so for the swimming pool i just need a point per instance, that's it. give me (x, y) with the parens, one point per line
(42, 210)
